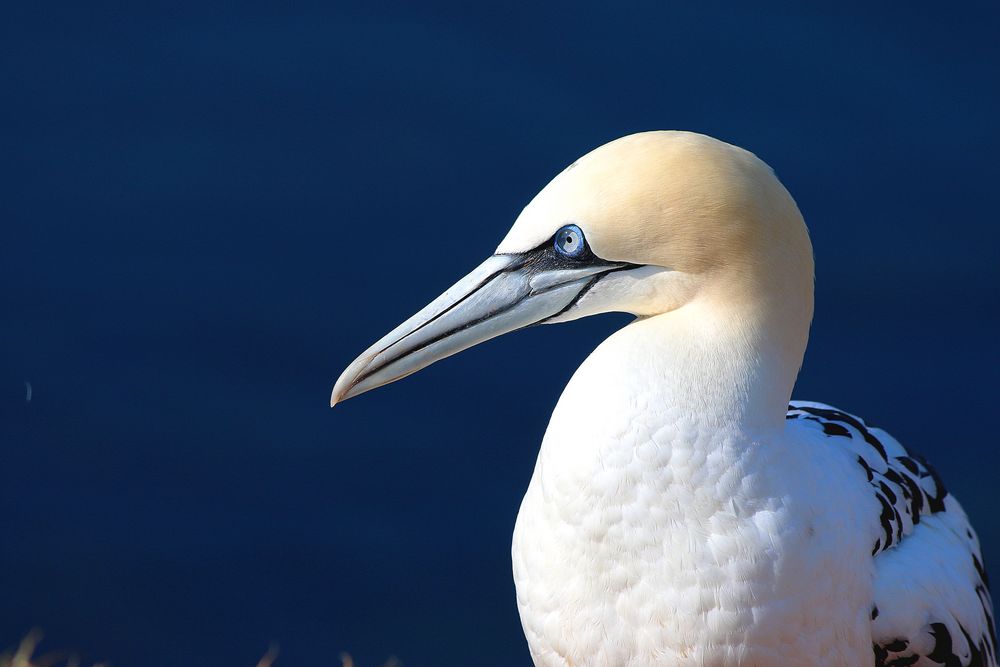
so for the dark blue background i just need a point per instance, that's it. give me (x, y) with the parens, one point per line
(208, 211)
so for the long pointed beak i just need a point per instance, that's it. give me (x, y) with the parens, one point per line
(504, 293)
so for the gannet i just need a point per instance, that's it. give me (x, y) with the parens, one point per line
(682, 510)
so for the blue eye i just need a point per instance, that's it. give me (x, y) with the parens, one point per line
(569, 241)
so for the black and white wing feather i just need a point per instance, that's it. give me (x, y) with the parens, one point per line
(931, 603)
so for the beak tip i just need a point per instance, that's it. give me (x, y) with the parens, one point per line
(341, 392)
(347, 385)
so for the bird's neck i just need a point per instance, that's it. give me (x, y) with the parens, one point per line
(726, 364)
(708, 366)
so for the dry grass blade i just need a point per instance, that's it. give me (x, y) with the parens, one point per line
(268, 659)
(24, 656)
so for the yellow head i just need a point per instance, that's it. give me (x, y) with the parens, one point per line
(646, 224)
(682, 201)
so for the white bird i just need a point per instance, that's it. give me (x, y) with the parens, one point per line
(682, 511)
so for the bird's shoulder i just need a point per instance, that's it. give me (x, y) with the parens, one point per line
(931, 602)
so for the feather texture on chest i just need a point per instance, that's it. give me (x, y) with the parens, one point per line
(656, 531)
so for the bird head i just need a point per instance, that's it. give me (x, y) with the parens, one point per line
(646, 224)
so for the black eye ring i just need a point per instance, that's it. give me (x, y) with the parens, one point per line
(570, 242)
